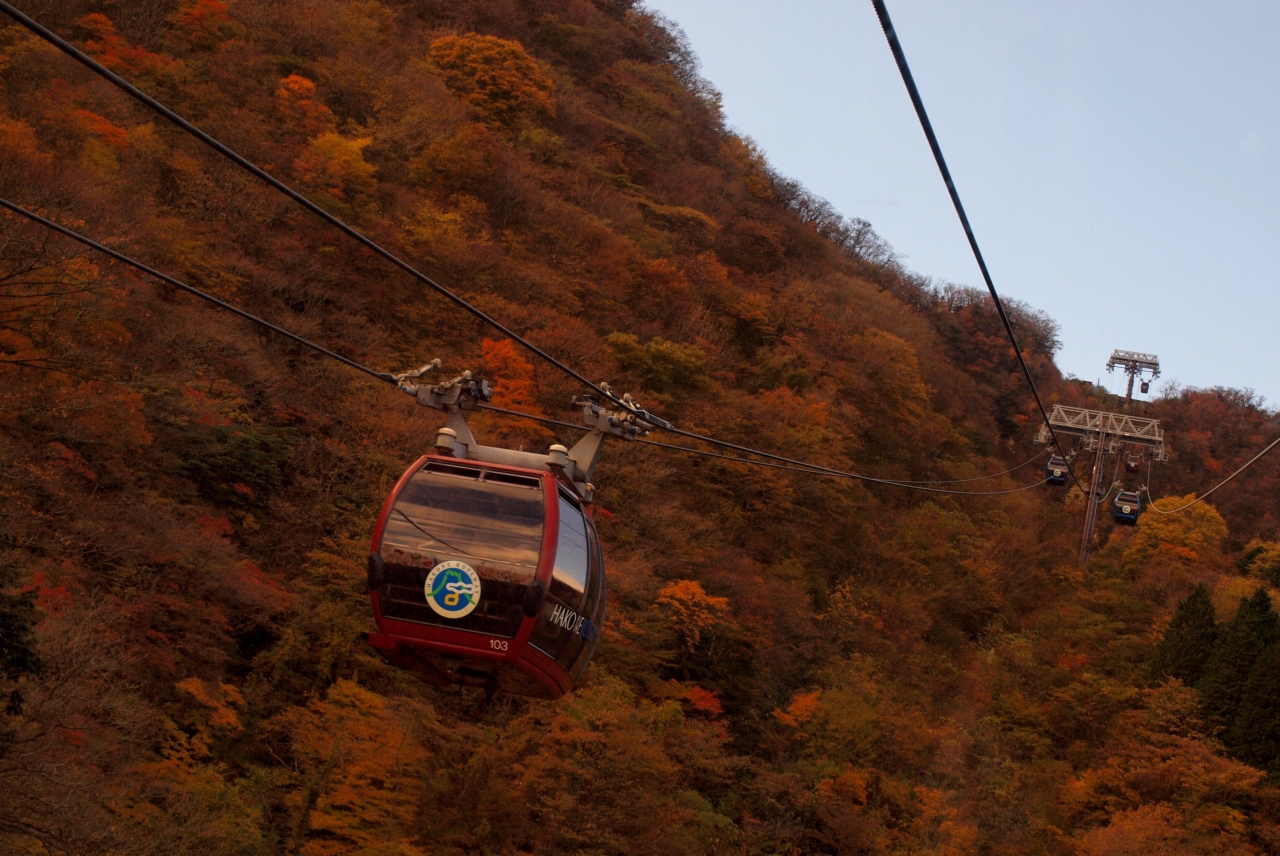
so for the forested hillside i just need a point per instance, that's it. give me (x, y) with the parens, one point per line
(790, 664)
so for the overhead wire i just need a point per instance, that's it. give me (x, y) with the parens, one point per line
(224, 150)
(1037, 456)
(1115, 480)
(793, 466)
(905, 70)
(203, 295)
(385, 377)
(830, 473)
(1203, 496)
(780, 462)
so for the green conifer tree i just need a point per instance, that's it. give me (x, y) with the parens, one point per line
(1241, 641)
(1254, 735)
(1188, 640)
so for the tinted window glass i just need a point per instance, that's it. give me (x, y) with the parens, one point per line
(457, 513)
(592, 609)
(569, 626)
(465, 518)
(569, 579)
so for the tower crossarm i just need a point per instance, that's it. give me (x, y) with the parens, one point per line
(1118, 429)
(1134, 362)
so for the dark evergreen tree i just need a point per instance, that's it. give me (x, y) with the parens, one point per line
(1241, 641)
(1254, 735)
(17, 641)
(1188, 640)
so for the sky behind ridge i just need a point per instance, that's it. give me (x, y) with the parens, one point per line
(1119, 161)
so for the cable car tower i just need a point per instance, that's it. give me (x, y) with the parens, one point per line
(1105, 433)
(1135, 365)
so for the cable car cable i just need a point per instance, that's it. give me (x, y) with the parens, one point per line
(549, 421)
(1203, 496)
(388, 378)
(823, 471)
(795, 465)
(815, 467)
(203, 295)
(905, 70)
(96, 67)
(1113, 485)
(791, 465)
(1030, 460)
(808, 467)
(224, 150)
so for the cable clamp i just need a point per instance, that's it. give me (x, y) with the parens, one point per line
(629, 404)
(463, 392)
(412, 389)
(629, 421)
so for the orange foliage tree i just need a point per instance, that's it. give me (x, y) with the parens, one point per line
(109, 47)
(361, 766)
(513, 388)
(495, 76)
(296, 100)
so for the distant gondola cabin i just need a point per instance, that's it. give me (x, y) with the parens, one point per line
(1127, 507)
(1055, 472)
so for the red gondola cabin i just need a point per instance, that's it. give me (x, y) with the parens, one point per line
(485, 569)
(487, 575)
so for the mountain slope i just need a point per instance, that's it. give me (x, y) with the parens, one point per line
(790, 664)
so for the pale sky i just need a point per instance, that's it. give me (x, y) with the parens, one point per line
(1119, 160)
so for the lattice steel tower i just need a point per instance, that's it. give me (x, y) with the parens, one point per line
(1135, 365)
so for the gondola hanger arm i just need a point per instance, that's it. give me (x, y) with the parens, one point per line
(466, 392)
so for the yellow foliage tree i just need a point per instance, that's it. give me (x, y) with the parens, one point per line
(691, 611)
(1262, 559)
(1165, 786)
(1199, 531)
(335, 165)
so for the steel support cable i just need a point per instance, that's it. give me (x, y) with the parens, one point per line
(790, 465)
(113, 78)
(222, 149)
(905, 70)
(222, 304)
(1203, 496)
(823, 471)
(1115, 480)
(794, 465)
(1037, 456)
(724, 444)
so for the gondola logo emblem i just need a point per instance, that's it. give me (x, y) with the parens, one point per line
(452, 589)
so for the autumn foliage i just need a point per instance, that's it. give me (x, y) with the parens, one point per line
(790, 663)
